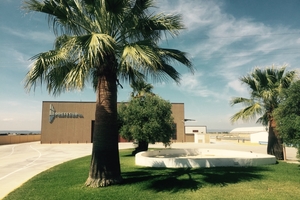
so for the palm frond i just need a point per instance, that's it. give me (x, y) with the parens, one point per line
(287, 79)
(248, 113)
(44, 62)
(61, 14)
(98, 46)
(127, 73)
(264, 119)
(56, 68)
(172, 55)
(241, 100)
(153, 61)
(56, 78)
(140, 54)
(162, 74)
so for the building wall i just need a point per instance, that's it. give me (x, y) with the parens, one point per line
(73, 122)
(65, 129)
(195, 129)
(178, 115)
(15, 139)
(193, 132)
(259, 137)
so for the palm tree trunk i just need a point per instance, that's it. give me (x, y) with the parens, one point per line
(105, 164)
(274, 142)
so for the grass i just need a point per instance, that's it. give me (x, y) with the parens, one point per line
(66, 181)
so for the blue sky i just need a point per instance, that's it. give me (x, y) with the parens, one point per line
(225, 39)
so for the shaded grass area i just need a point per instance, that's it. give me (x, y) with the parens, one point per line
(66, 181)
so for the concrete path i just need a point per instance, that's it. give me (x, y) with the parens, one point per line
(20, 162)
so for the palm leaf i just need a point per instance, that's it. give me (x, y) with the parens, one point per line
(248, 113)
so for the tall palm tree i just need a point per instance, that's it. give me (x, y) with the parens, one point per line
(101, 42)
(265, 86)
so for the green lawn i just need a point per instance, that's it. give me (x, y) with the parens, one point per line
(66, 181)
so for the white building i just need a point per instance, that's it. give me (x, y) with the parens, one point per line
(260, 137)
(198, 132)
(249, 129)
(257, 134)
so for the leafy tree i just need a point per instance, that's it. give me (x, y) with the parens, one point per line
(140, 89)
(287, 116)
(147, 119)
(265, 86)
(100, 42)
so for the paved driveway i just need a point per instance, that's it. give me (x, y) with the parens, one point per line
(20, 162)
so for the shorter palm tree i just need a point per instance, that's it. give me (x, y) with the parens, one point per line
(265, 85)
(141, 88)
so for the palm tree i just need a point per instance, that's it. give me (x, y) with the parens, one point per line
(265, 86)
(141, 88)
(101, 42)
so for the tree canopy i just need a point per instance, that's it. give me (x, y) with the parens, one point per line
(148, 118)
(287, 116)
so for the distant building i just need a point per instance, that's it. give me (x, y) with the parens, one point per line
(248, 129)
(195, 129)
(198, 132)
(257, 134)
(260, 137)
(73, 122)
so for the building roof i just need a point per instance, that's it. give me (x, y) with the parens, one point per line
(249, 129)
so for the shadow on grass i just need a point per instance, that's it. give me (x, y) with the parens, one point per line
(183, 179)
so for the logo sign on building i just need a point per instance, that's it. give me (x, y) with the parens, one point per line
(53, 114)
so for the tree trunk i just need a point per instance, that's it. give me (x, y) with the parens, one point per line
(142, 146)
(274, 142)
(105, 164)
